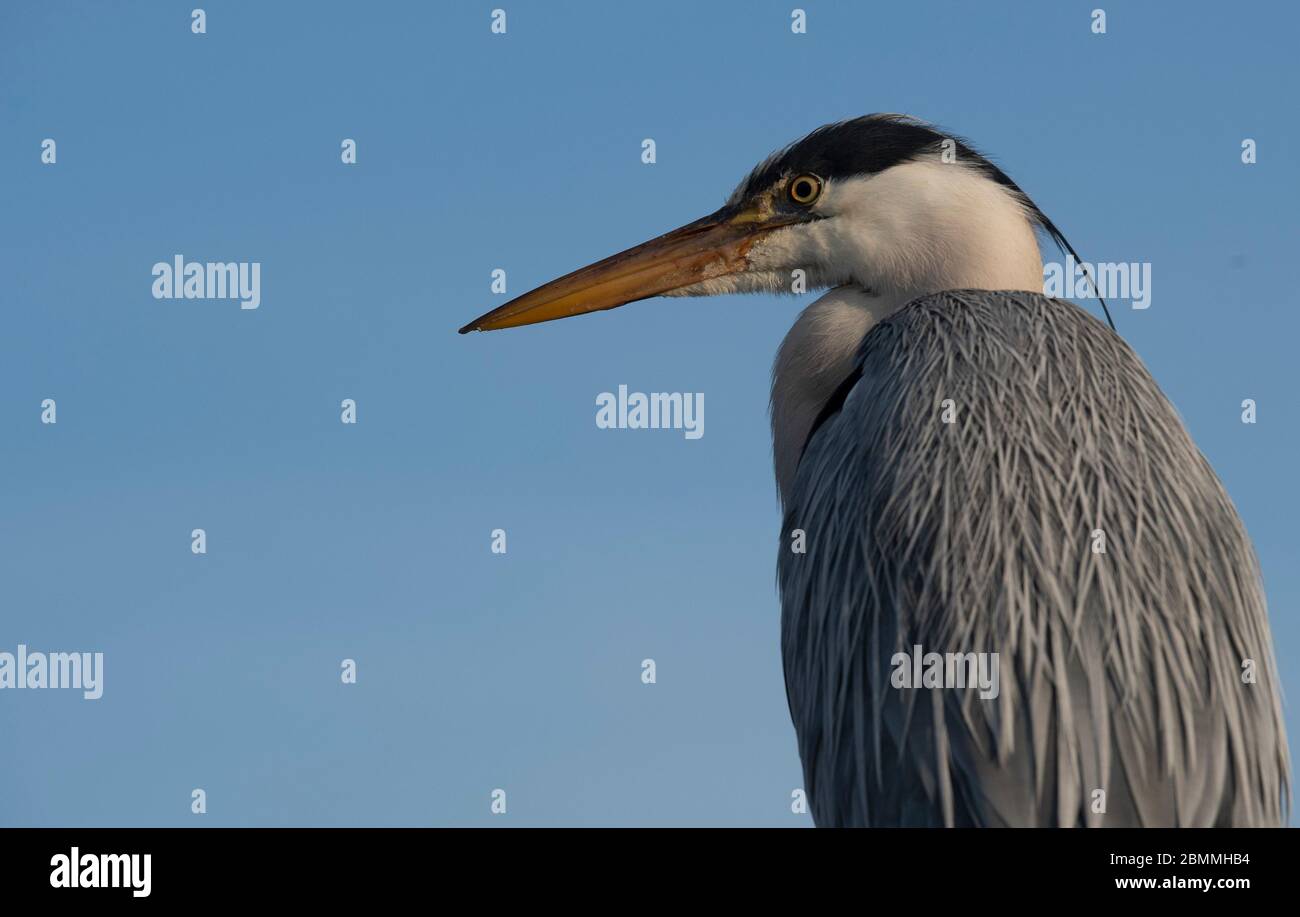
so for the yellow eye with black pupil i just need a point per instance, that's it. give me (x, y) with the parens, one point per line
(805, 189)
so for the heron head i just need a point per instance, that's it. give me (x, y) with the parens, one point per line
(886, 203)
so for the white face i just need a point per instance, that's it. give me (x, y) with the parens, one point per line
(915, 228)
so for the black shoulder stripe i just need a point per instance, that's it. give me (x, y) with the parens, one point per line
(833, 405)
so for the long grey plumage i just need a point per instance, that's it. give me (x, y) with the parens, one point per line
(1120, 672)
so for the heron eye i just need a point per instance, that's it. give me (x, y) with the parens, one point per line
(805, 189)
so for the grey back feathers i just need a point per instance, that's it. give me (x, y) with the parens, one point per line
(1120, 672)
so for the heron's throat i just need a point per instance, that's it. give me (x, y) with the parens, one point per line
(814, 359)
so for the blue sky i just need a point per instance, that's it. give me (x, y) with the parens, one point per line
(519, 151)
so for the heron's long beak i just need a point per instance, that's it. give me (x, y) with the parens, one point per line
(714, 246)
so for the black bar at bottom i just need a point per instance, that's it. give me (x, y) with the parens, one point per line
(333, 866)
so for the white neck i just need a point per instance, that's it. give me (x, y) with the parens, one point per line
(914, 229)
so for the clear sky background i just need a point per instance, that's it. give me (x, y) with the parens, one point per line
(371, 542)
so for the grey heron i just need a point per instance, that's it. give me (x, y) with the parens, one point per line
(948, 444)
